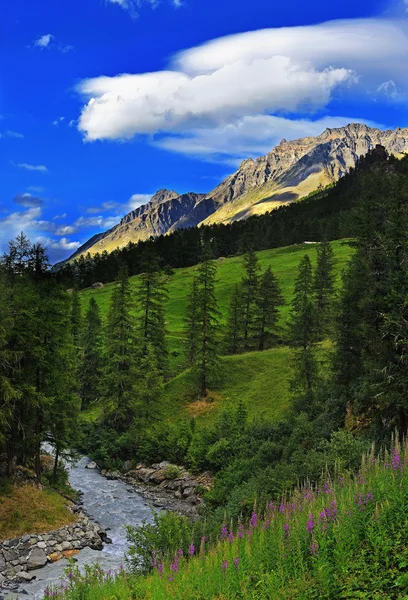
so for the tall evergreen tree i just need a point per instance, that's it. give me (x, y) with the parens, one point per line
(76, 318)
(234, 328)
(91, 369)
(324, 287)
(152, 297)
(150, 388)
(121, 356)
(304, 330)
(268, 299)
(249, 285)
(207, 358)
(191, 323)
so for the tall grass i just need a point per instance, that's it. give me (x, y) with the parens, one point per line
(347, 538)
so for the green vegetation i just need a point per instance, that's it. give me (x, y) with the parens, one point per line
(26, 509)
(343, 539)
(283, 262)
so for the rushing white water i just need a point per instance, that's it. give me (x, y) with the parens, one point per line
(113, 504)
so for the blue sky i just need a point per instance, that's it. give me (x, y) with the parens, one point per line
(102, 102)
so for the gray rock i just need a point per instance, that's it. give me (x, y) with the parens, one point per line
(36, 559)
(91, 465)
(24, 576)
(66, 545)
(10, 555)
(42, 545)
(2, 562)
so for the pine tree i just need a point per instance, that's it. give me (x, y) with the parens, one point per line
(150, 388)
(76, 318)
(304, 330)
(191, 323)
(324, 287)
(250, 289)
(268, 299)
(234, 333)
(91, 369)
(207, 359)
(152, 297)
(121, 355)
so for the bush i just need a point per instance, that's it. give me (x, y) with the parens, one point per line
(172, 472)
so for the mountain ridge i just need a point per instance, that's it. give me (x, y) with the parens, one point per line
(290, 171)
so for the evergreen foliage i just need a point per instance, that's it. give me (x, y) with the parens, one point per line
(269, 298)
(92, 364)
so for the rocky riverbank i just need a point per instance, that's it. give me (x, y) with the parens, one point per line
(165, 485)
(19, 557)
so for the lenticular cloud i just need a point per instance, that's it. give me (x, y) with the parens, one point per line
(271, 71)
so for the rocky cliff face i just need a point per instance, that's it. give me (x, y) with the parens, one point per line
(290, 171)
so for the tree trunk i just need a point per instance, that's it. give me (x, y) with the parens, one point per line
(54, 472)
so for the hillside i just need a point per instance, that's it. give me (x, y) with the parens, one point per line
(260, 379)
(343, 539)
(291, 171)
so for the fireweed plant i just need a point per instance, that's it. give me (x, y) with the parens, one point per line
(347, 538)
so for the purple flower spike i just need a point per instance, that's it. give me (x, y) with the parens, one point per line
(236, 562)
(254, 520)
(191, 549)
(224, 565)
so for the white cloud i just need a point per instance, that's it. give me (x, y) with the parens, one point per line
(28, 200)
(14, 223)
(271, 72)
(49, 41)
(12, 134)
(44, 41)
(58, 120)
(248, 136)
(132, 6)
(58, 217)
(134, 201)
(29, 167)
(137, 200)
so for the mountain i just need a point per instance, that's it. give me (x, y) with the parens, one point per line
(166, 211)
(291, 170)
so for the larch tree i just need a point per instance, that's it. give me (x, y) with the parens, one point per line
(268, 300)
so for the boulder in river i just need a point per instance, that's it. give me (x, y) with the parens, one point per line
(91, 465)
(36, 559)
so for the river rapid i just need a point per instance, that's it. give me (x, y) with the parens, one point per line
(113, 504)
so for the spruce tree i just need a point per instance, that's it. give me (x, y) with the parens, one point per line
(150, 388)
(76, 318)
(120, 379)
(249, 289)
(269, 298)
(152, 297)
(304, 330)
(324, 288)
(206, 364)
(234, 328)
(91, 369)
(191, 323)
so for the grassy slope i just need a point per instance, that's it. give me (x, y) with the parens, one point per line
(30, 510)
(260, 379)
(347, 539)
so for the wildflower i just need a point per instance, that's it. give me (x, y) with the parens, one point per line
(203, 539)
(254, 520)
(154, 563)
(180, 552)
(160, 568)
(240, 534)
(310, 523)
(191, 549)
(282, 508)
(236, 562)
(314, 548)
(327, 488)
(224, 533)
(266, 524)
(70, 575)
(174, 566)
(341, 480)
(171, 578)
(224, 566)
(47, 592)
(396, 460)
(286, 528)
(231, 537)
(271, 506)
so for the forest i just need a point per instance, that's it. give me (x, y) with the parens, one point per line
(347, 347)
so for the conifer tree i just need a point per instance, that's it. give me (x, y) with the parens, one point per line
(303, 330)
(191, 323)
(152, 297)
(91, 370)
(250, 289)
(268, 299)
(121, 355)
(324, 287)
(150, 388)
(207, 358)
(76, 318)
(234, 328)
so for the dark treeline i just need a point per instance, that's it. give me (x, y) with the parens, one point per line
(326, 214)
